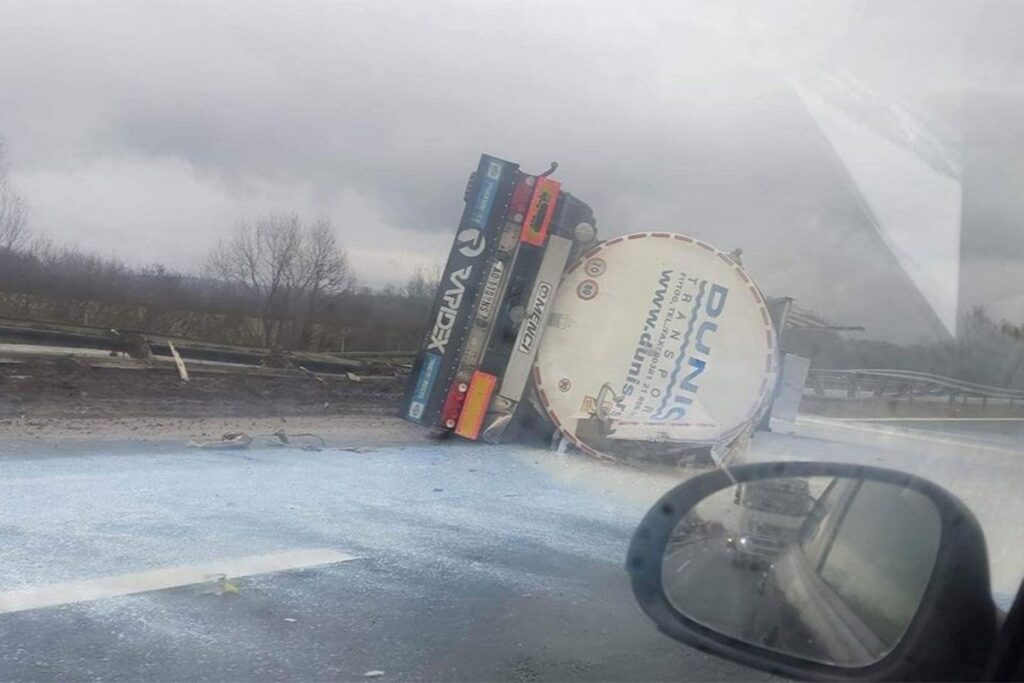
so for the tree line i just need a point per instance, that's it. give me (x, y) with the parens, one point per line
(985, 350)
(278, 281)
(289, 287)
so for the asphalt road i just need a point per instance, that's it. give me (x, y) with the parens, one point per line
(702, 581)
(475, 564)
(472, 563)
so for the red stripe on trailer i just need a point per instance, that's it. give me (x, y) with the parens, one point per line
(520, 202)
(452, 407)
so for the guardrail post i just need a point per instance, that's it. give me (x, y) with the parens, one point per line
(819, 388)
(851, 387)
(880, 389)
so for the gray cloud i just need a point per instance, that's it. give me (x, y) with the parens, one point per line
(665, 116)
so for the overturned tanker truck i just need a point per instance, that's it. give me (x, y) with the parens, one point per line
(650, 345)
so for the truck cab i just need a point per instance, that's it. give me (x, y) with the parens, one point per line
(771, 514)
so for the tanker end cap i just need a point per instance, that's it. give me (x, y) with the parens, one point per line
(670, 345)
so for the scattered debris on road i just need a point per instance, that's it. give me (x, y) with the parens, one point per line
(221, 585)
(241, 440)
(237, 440)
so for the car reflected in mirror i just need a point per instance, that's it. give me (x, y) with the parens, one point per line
(825, 568)
(819, 571)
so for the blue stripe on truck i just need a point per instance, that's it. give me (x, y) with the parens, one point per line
(485, 197)
(424, 385)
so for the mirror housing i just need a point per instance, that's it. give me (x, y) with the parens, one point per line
(949, 637)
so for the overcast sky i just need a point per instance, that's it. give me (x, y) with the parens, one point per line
(146, 129)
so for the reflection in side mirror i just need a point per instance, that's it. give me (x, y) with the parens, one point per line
(819, 570)
(828, 569)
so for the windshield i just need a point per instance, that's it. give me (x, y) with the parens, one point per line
(353, 340)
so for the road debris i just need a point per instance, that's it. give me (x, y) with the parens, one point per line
(280, 439)
(312, 374)
(178, 362)
(221, 585)
(232, 440)
(285, 440)
(373, 674)
(359, 449)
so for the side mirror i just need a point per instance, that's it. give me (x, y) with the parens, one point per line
(819, 571)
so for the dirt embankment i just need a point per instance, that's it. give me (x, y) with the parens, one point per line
(63, 398)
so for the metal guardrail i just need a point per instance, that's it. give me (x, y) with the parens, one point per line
(398, 355)
(146, 346)
(905, 384)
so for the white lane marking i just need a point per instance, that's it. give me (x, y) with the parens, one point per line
(913, 434)
(55, 594)
(928, 419)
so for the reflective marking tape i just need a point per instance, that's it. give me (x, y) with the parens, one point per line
(481, 387)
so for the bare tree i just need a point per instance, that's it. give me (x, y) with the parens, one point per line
(323, 264)
(323, 271)
(14, 232)
(423, 283)
(289, 268)
(262, 254)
